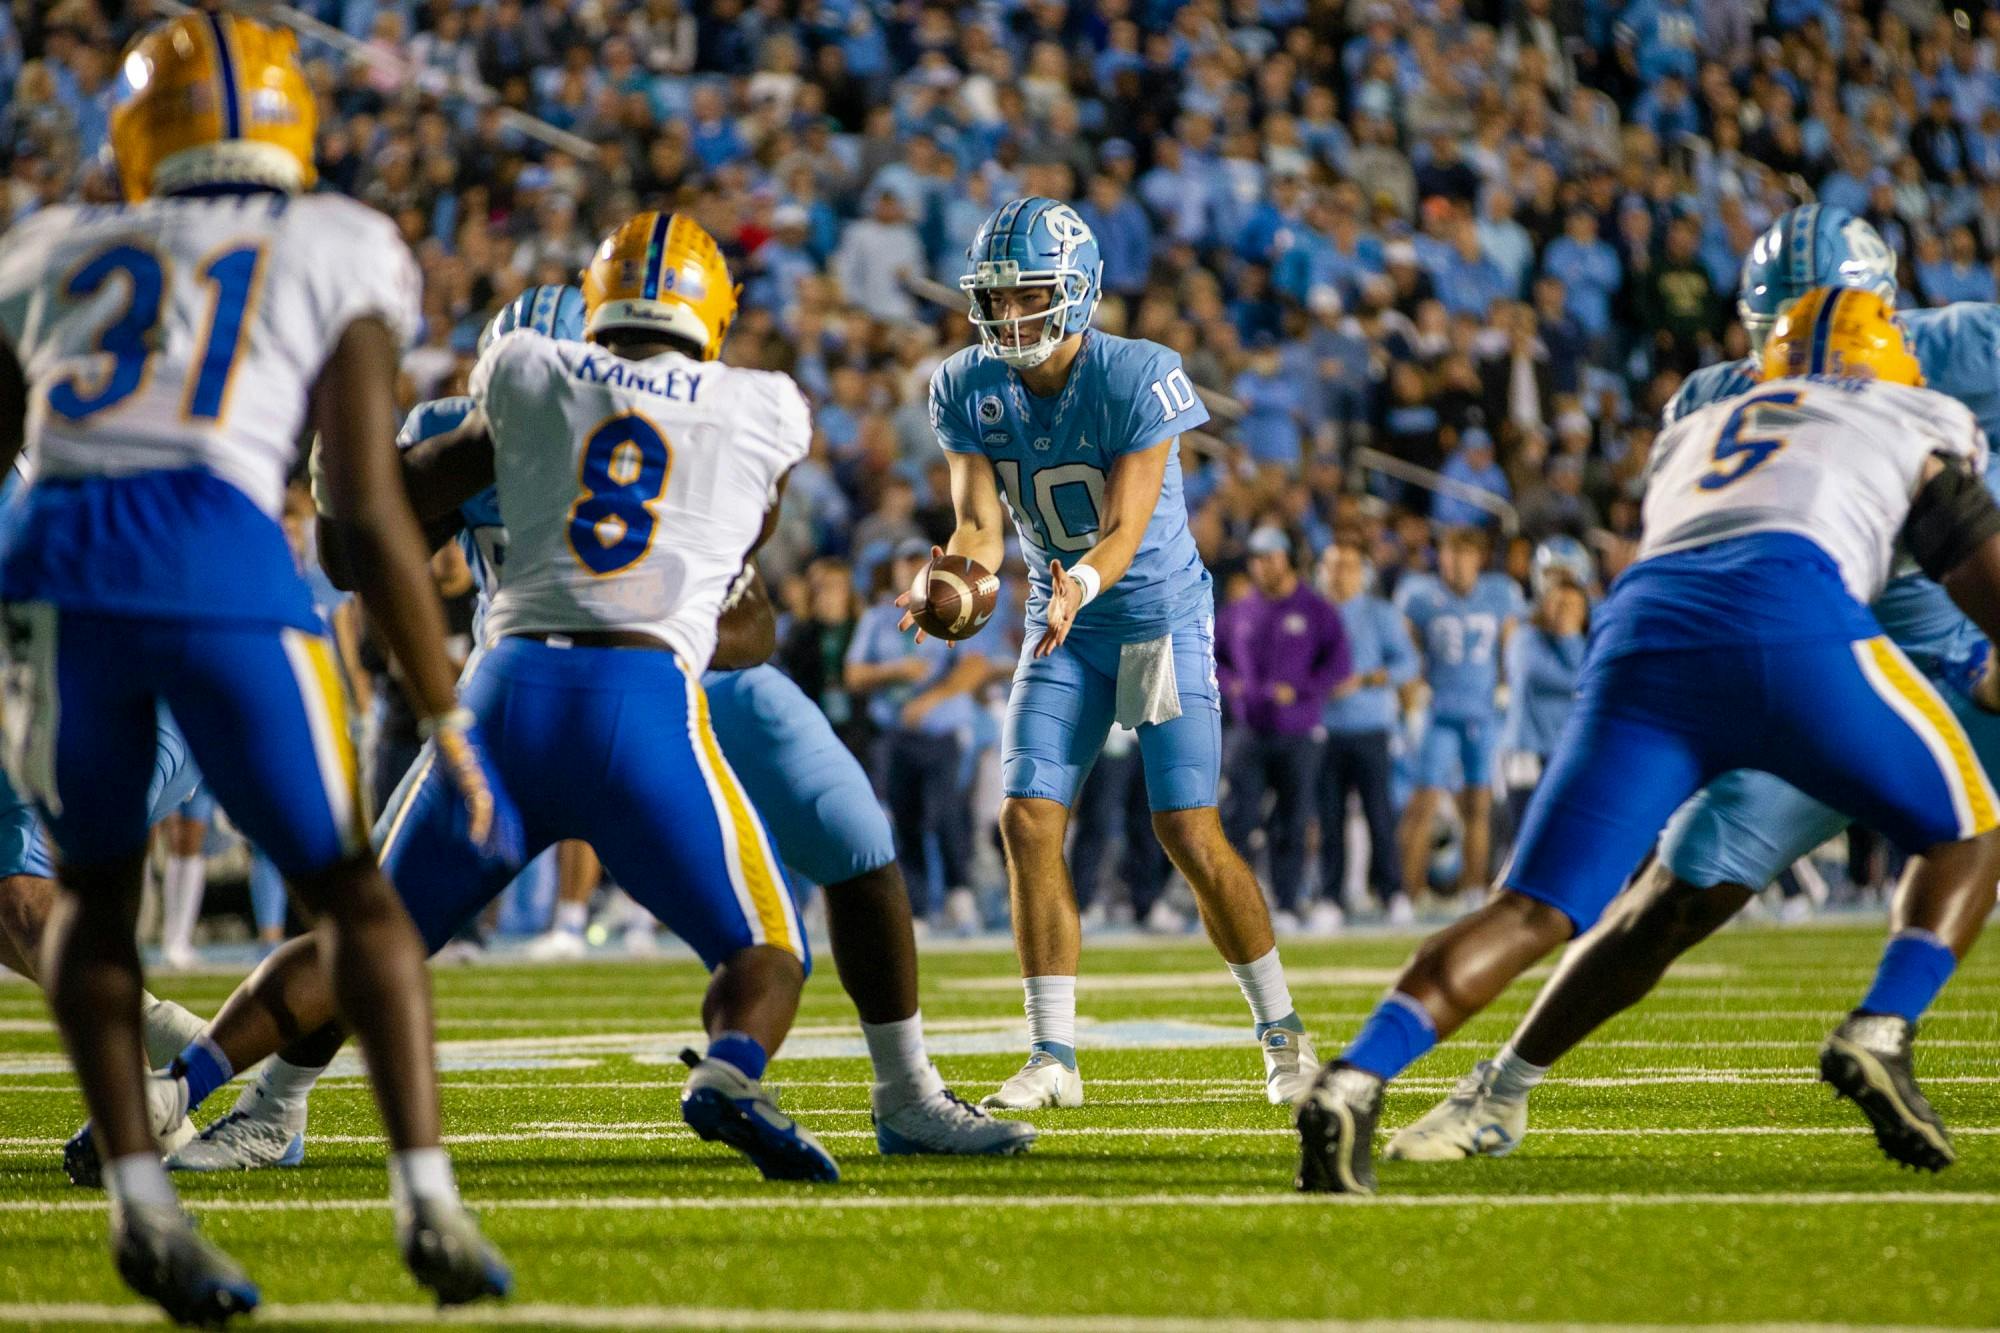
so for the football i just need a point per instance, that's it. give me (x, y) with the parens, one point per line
(952, 597)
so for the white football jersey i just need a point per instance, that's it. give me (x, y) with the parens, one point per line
(186, 332)
(631, 491)
(1836, 461)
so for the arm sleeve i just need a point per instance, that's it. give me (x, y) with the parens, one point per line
(1156, 412)
(950, 419)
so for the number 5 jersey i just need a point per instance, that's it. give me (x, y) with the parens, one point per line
(170, 347)
(631, 491)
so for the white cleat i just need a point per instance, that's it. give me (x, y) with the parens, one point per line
(1290, 1065)
(1162, 919)
(1043, 1082)
(1402, 914)
(556, 945)
(1326, 919)
(166, 1115)
(260, 1131)
(1472, 1122)
(936, 1120)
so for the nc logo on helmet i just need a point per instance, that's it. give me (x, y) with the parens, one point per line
(1066, 227)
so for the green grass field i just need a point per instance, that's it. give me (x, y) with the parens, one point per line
(1683, 1169)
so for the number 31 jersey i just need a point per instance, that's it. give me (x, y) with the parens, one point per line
(169, 348)
(631, 491)
(1836, 461)
(1054, 458)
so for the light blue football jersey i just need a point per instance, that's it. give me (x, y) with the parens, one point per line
(1054, 458)
(1460, 637)
(482, 537)
(1958, 347)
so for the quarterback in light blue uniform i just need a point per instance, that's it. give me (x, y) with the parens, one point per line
(1077, 432)
(1748, 827)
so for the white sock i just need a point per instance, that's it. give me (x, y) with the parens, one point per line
(139, 1178)
(167, 1029)
(1513, 1077)
(897, 1052)
(181, 886)
(572, 917)
(1263, 984)
(1051, 1004)
(287, 1082)
(420, 1173)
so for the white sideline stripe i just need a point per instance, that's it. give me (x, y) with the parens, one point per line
(838, 1200)
(829, 1321)
(1219, 978)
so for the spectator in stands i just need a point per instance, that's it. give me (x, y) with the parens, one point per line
(1113, 803)
(1359, 720)
(813, 651)
(1590, 272)
(1279, 653)
(1471, 465)
(878, 256)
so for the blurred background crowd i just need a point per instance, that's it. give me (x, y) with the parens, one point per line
(1436, 265)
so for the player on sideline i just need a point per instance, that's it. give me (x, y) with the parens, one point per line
(1081, 429)
(822, 813)
(1742, 830)
(635, 475)
(159, 358)
(1771, 521)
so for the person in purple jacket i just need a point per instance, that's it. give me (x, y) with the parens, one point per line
(1279, 653)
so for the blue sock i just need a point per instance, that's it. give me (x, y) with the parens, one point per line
(1914, 969)
(1290, 1022)
(1396, 1036)
(740, 1050)
(1062, 1052)
(205, 1068)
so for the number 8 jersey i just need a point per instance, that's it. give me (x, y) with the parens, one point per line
(173, 344)
(1054, 457)
(1836, 461)
(631, 491)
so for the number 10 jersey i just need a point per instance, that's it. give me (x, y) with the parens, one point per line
(1053, 457)
(631, 491)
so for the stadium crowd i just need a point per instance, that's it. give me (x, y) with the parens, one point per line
(1430, 275)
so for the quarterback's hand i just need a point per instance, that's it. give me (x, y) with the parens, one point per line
(1065, 600)
(485, 816)
(911, 605)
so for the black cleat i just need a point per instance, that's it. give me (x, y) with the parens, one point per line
(160, 1257)
(80, 1160)
(1867, 1060)
(446, 1253)
(1336, 1123)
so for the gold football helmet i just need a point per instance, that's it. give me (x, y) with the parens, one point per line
(213, 98)
(663, 272)
(1844, 331)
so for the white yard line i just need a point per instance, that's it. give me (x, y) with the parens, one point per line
(839, 1199)
(822, 1321)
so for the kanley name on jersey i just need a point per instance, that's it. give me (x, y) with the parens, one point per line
(1053, 457)
(630, 491)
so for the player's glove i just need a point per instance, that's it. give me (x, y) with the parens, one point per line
(486, 816)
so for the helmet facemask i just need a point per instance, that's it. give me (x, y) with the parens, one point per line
(1005, 337)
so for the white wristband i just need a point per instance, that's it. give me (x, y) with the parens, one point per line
(1088, 577)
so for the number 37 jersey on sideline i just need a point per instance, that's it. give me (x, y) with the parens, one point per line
(1836, 461)
(172, 345)
(631, 491)
(1054, 458)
